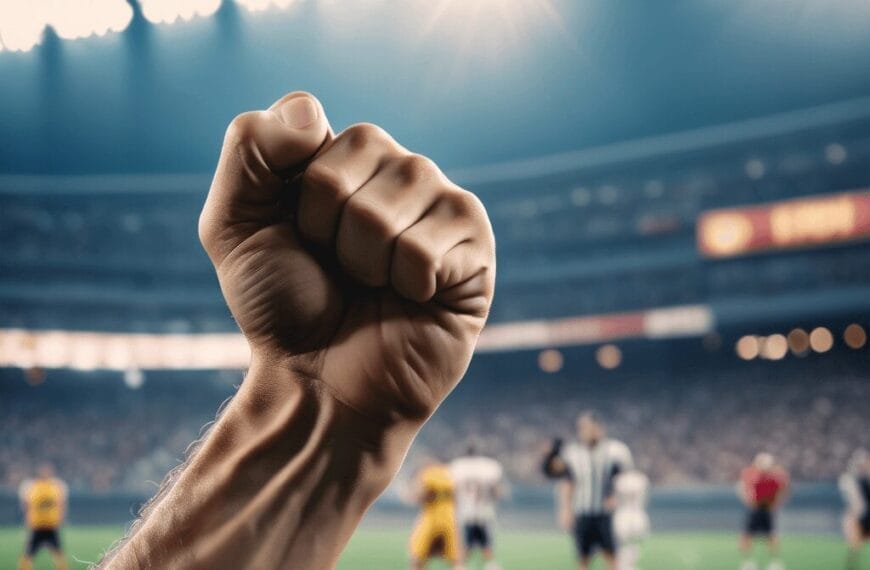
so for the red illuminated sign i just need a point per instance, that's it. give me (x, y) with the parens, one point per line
(793, 223)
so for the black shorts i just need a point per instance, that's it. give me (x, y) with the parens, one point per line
(864, 525)
(759, 522)
(476, 536)
(43, 537)
(594, 531)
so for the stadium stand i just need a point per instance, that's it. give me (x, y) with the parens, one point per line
(598, 231)
(601, 230)
(689, 428)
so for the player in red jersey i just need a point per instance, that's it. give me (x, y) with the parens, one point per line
(763, 488)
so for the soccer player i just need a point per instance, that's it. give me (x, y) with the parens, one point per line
(630, 521)
(855, 486)
(435, 534)
(361, 277)
(763, 488)
(587, 471)
(43, 501)
(479, 484)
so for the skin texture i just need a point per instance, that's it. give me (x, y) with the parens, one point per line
(361, 277)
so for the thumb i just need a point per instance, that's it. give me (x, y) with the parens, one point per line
(261, 150)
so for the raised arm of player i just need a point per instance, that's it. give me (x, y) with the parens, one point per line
(553, 466)
(361, 277)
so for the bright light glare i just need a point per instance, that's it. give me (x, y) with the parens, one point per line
(21, 25)
(461, 34)
(261, 5)
(168, 11)
(493, 29)
(72, 20)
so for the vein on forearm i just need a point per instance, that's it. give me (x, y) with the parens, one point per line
(279, 478)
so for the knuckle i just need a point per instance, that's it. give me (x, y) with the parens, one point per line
(461, 203)
(361, 135)
(372, 219)
(243, 129)
(328, 181)
(414, 168)
(419, 256)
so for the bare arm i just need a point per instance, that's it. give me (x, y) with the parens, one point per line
(361, 277)
(783, 494)
(566, 501)
(742, 491)
(851, 495)
(64, 499)
(285, 475)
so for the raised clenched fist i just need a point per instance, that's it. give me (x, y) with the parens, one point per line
(348, 259)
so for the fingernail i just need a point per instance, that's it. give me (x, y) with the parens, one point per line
(299, 113)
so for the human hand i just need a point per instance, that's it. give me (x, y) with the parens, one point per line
(348, 259)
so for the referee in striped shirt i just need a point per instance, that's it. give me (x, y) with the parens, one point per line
(587, 470)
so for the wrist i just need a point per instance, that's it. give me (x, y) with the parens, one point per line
(284, 446)
(284, 391)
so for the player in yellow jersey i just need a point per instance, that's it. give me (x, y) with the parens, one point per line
(43, 501)
(435, 534)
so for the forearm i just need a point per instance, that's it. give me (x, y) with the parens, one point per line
(281, 481)
(566, 496)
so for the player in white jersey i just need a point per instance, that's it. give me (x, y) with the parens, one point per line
(587, 471)
(479, 484)
(630, 520)
(855, 487)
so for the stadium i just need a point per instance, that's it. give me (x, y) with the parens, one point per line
(680, 197)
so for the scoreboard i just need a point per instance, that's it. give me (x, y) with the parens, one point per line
(802, 222)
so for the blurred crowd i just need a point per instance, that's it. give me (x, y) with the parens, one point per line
(104, 437)
(699, 431)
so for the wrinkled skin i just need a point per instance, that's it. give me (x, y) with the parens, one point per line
(349, 259)
(361, 278)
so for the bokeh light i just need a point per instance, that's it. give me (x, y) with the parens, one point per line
(799, 342)
(550, 360)
(774, 347)
(747, 347)
(821, 339)
(835, 153)
(855, 336)
(134, 378)
(608, 356)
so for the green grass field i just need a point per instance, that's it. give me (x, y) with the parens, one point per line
(385, 550)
